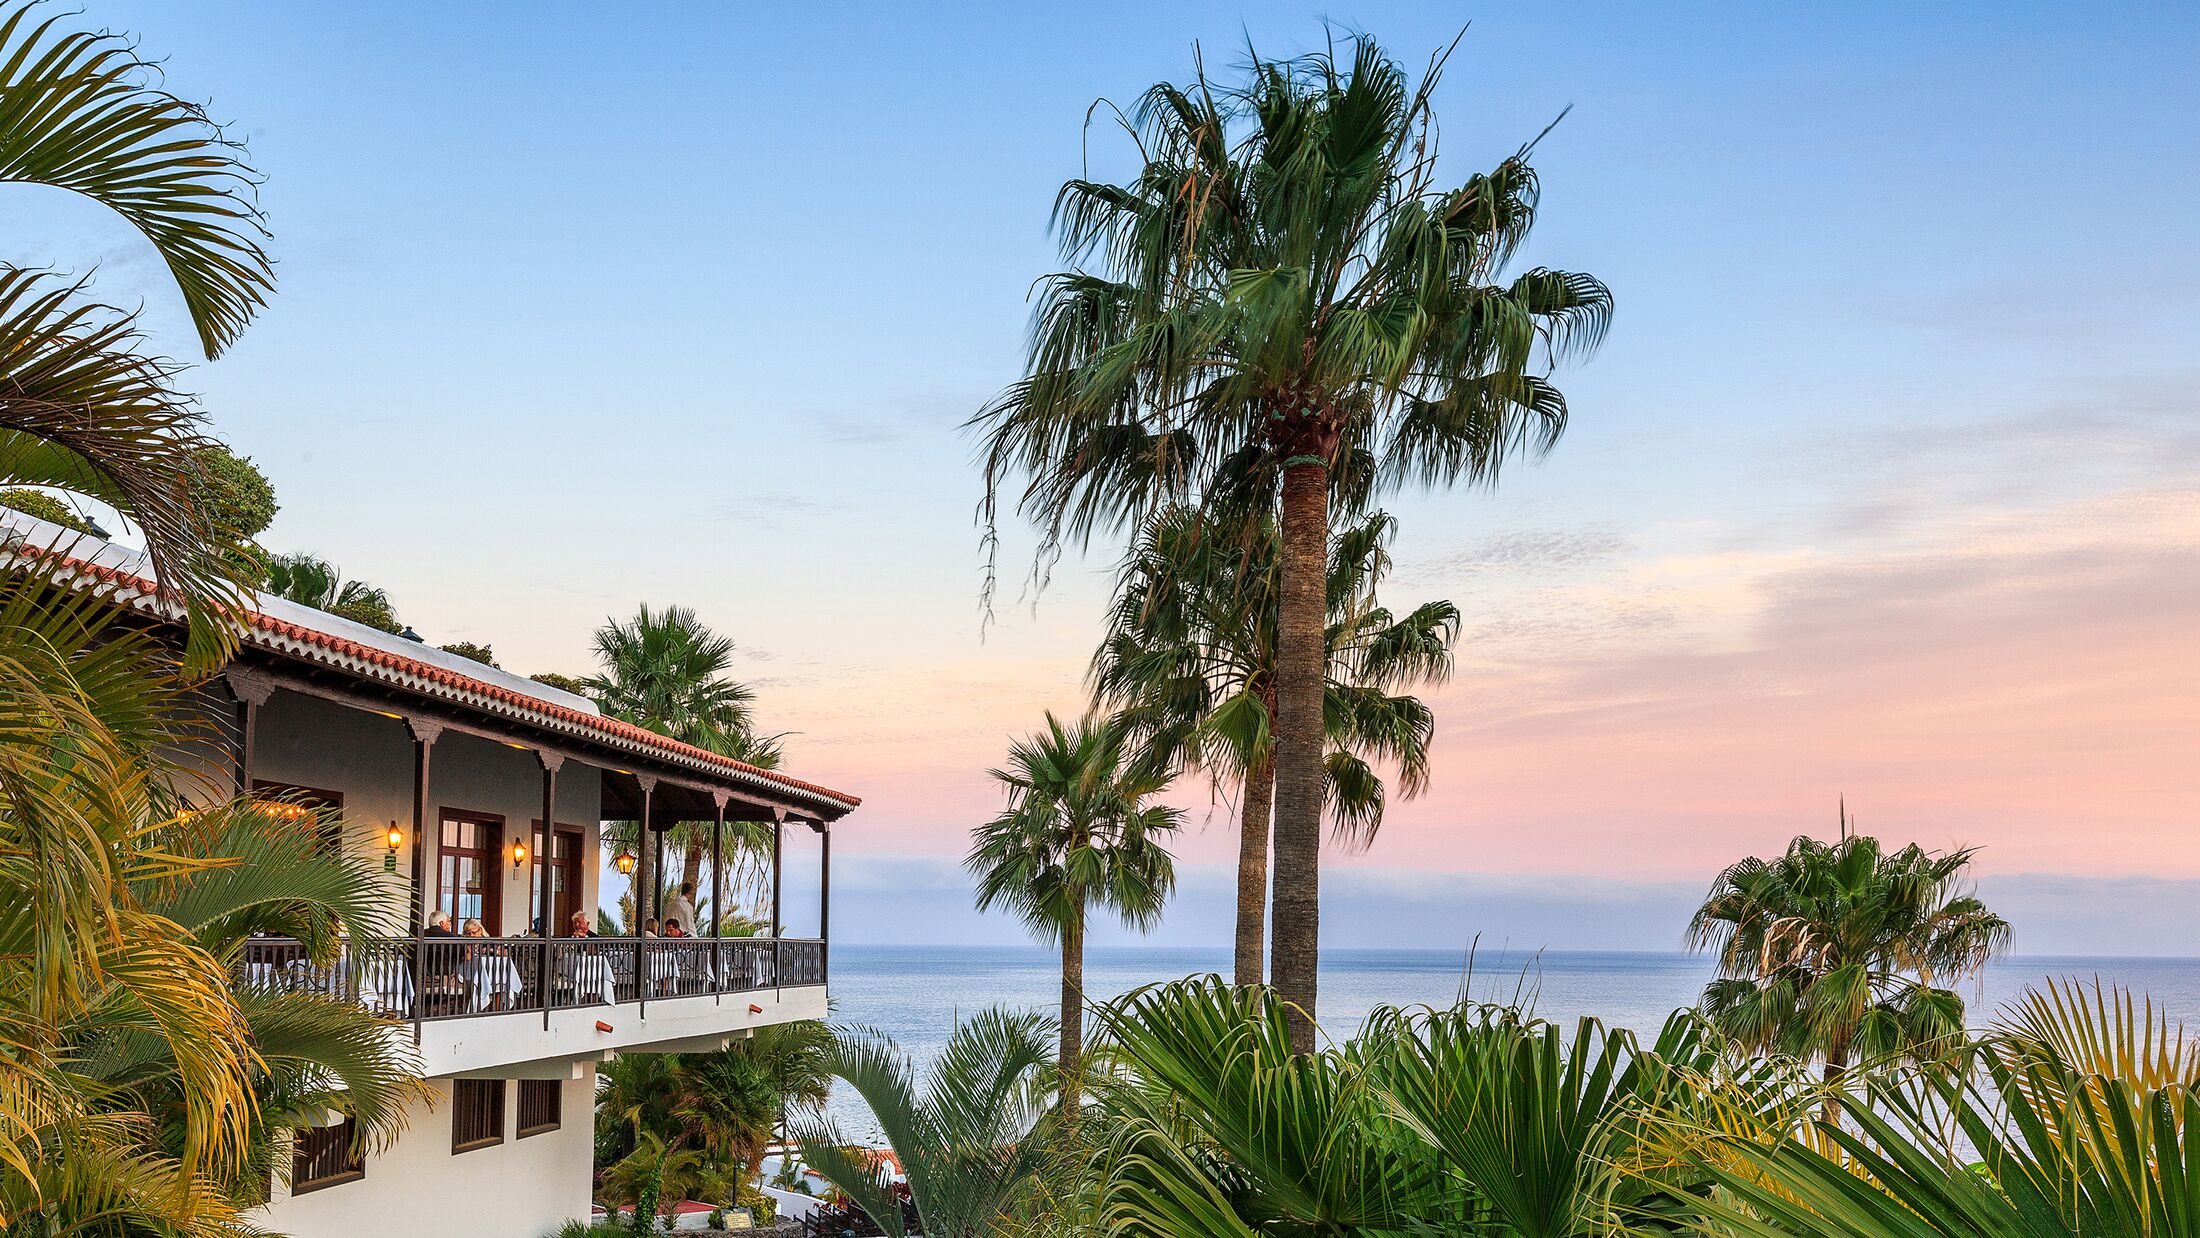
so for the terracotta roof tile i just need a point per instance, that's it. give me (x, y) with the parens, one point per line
(544, 710)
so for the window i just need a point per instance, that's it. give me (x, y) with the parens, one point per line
(539, 1103)
(290, 800)
(477, 1114)
(323, 1156)
(565, 882)
(470, 870)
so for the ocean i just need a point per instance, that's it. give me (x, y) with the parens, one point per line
(915, 993)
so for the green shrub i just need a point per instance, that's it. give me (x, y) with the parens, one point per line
(43, 506)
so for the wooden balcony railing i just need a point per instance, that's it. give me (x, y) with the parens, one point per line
(423, 978)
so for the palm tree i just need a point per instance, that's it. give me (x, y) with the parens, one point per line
(316, 582)
(1476, 1120)
(257, 871)
(1190, 660)
(2079, 1119)
(82, 408)
(1078, 835)
(107, 1004)
(724, 1104)
(1286, 277)
(665, 670)
(966, 1142)
(1839, 951)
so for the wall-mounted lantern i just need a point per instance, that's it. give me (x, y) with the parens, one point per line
(624, 862)
(395, 838)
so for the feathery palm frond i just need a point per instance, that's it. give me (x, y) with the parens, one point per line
(965, 1137)
(78, 112)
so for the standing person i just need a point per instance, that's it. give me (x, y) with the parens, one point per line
(680, 908)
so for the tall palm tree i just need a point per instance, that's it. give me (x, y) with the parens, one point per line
(1839, 951)
(665, 670)
(312, 581)
(965, 1140)
(1286, 276)
(1079, 834)
(1189, 659)
(82, 408)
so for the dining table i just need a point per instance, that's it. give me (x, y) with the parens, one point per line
(490, 977)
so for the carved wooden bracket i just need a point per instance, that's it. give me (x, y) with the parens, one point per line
(551, 761)
(648, 783)
(426, 730)
(250, 686)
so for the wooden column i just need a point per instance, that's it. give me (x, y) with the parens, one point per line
(824, 896)
(645, 874)
(426, 830)
(779, 847)
(718, 868)
(718, 895)
(546, 852)
(250, 689)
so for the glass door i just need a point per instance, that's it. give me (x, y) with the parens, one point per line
(565, 882)
(470, 871)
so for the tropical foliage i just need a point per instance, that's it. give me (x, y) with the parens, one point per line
(316, 582)
(1189, 660)
(666, 670)
(1843, 951)
(83, 409)
(1285, 276)
(1079, 834)
(143, 1094)
(966, 1139)
(2076, 1116)
(722, 1106)
(145, 1091)
(1476, 1120)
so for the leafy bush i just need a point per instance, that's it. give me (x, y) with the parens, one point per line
(468, 649)
(43, 506)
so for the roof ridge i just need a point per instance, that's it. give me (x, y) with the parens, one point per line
(460, 681)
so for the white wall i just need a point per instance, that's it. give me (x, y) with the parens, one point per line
(521, 1188)
(368, 758)
(486, 1042)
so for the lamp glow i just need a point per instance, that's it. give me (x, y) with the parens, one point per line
(624, 862)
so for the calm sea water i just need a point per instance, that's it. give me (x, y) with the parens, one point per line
(916, 993)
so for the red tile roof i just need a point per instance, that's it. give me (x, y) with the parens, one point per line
(345, 653)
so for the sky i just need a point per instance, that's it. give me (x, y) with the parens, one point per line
(1885, 485)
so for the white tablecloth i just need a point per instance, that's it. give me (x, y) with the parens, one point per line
(489, 976)
(386, 986)
(588, 977)
(385, 983)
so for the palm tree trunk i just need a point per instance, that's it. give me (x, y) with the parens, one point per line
(1259, 796)
(692, 874)
(1837, 1068)
(1295, 939)
(1073, 1008)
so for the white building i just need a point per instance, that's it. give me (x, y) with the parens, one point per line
(459, 765)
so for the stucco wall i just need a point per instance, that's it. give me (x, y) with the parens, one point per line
(368, 758)
(521, 1188)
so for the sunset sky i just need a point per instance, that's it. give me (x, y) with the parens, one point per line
(1886, 484)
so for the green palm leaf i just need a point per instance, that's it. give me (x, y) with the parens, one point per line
(77, 112)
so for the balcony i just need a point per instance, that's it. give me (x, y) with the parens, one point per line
(480, 1006)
